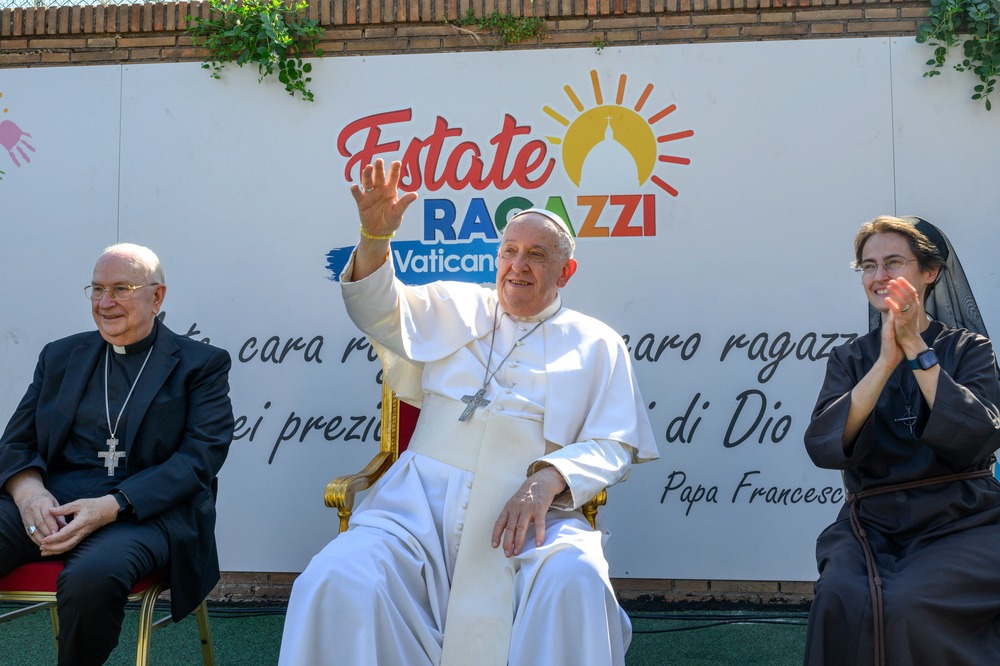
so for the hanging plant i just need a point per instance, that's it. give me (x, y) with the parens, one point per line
(269, 33)
(976, 25)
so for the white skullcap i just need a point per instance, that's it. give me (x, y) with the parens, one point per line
(561, 223)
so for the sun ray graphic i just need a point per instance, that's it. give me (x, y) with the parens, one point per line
(586, 128)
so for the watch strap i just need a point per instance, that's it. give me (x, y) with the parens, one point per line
(124, 506)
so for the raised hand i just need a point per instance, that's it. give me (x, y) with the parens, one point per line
(891, 353)
(381, 211)
(906, 313)
(379, 205)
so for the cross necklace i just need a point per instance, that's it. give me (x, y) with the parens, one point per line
(910, 418)
(478, 399)
(113, 455)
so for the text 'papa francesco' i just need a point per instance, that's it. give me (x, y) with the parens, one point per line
(746, 491)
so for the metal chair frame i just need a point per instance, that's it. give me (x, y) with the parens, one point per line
(42, 596)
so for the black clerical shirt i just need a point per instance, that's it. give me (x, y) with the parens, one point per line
(78, 472)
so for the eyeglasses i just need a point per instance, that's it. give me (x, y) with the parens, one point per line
(892, 266)
(119, 292)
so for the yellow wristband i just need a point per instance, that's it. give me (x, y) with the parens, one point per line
(373, 237)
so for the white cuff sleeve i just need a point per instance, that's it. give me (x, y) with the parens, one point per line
(588, 468)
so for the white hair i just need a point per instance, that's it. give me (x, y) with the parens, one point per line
(140, 257)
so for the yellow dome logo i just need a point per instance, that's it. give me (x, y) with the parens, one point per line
(616, 123)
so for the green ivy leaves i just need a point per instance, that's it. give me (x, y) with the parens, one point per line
(980, 22)
(270, 33)
(510, 29)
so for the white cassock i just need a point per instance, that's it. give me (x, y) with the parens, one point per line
(382, 592)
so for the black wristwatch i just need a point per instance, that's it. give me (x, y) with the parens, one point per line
(925, 360)
(124, 506)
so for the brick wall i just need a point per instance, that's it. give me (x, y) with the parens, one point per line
(274, 588)
(155, 32)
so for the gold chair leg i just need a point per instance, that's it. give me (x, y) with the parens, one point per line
(205, 634)
(146, 609)
(147, 625)
(54, 614)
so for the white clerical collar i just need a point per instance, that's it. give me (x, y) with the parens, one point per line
(550, 311)
(136, 347)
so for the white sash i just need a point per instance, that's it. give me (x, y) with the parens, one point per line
(498, 450)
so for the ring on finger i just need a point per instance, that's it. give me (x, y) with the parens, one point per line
(32, 529)
(369, 189)
(904, 308)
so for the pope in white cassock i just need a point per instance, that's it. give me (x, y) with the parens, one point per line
(472, 548)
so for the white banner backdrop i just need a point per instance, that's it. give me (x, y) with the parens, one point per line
(715, 190)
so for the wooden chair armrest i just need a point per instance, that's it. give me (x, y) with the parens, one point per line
(590, 508)
(340, 492)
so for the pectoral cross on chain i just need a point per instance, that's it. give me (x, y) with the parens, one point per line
(478, 399)
(473, 402)
(909, 420)
(111, 456)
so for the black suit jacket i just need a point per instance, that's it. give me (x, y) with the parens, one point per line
(180, 426)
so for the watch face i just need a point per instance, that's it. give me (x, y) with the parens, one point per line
(927, 359)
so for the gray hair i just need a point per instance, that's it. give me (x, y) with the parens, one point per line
(140, 257)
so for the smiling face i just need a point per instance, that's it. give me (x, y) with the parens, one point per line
(882, 246)
(124, 322)
(531, 267)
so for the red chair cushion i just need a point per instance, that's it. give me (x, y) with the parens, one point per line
(35, 577)
(41, 577)
(407, 422)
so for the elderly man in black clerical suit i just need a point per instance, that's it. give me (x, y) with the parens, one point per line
(110, 460)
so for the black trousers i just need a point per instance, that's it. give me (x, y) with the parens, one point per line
(93, 587)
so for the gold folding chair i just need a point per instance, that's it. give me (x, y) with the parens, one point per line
(35, 584)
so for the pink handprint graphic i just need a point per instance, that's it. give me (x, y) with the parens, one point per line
(12, 138)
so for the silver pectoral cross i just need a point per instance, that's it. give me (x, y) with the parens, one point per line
(909, 420)
(473, 402)
(111, 456)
